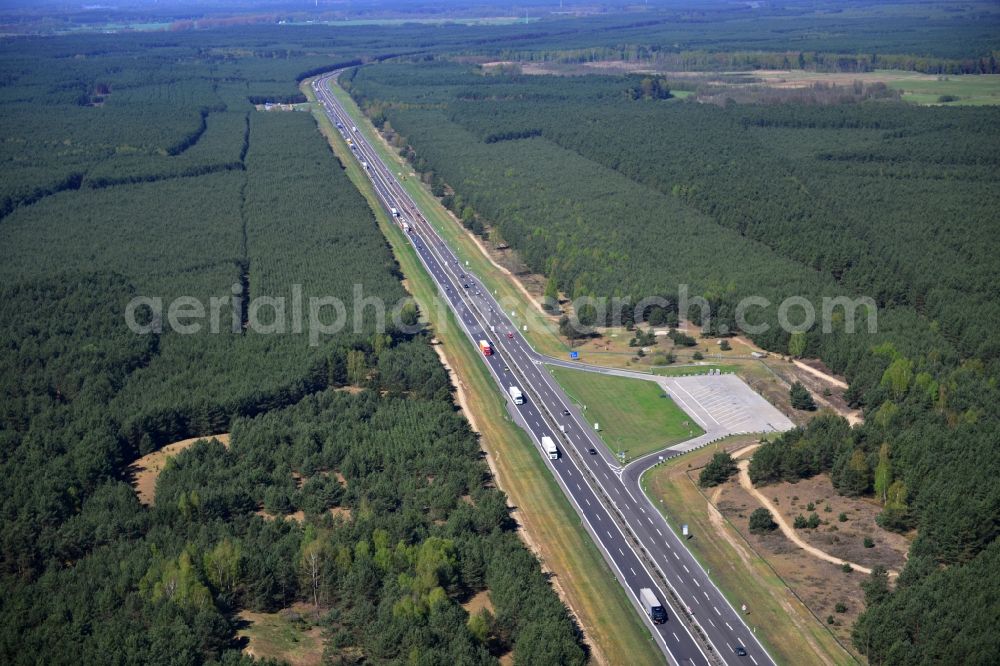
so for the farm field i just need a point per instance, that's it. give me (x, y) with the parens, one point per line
(635, 416)
(967, 89)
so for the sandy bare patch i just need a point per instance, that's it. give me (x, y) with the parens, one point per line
(785, 78)
(460, 396)
(146, 469)
(478, 602)
(290, 635)
(577, 69)
(719, 523)
(842, 540)
(298, 516)
(816, 368)
(826, 387)
(341, 512)
(782, 515)
(819, 584)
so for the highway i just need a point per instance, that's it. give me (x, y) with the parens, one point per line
(632, 535)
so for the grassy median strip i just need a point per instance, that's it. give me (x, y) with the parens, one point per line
(612, 626)
(635, 416)
(791, 634)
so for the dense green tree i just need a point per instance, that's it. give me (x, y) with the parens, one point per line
(551, 295)
(761, 521)
(801, 398)
(797, 344)
(883, 474)
(718, 470)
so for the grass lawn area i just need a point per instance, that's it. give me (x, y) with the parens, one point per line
(633, 414)
(555, 532)
(970, 89)
(682, 370)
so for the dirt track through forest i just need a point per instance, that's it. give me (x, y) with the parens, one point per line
(783, 525)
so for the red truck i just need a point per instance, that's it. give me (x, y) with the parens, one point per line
(484, 346)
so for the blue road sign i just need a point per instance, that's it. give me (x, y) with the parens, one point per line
(574, 355)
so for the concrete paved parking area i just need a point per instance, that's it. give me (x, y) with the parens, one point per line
(724, 404)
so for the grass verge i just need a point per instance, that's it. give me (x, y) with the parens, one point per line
(635, 415)
(684, 370)
(612, 627)
(788, 630)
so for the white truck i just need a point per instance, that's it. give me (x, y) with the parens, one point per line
(394, 211)
(516, 395)
(654, 609)
(550, 448)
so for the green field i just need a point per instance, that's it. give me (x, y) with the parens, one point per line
(918, 88)
(635, 415)
(971, 89)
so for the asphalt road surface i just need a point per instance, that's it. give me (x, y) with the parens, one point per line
(634, 538)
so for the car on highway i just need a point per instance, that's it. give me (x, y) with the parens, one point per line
(565, 412)
(510, 335)
(592, 451)
(740, 651)
(466, 286)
